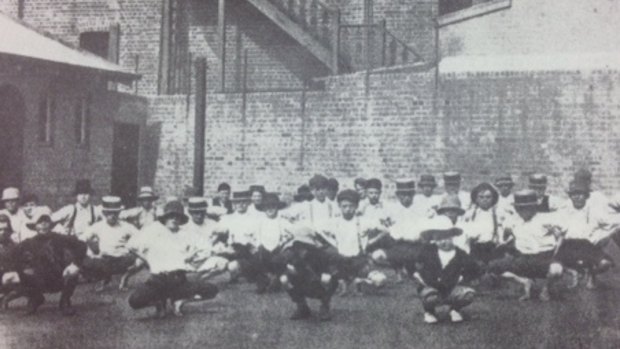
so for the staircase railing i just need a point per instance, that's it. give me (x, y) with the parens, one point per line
(367, 46)
(318, 19)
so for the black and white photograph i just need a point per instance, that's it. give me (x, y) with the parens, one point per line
(265, 174)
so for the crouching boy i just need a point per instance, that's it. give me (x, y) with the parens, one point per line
(441, 268)
(167, 257)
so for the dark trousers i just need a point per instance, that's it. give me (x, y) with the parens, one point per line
(311, 287)
(103, 268)
(172, 285)
(458, 298)
(580, 254)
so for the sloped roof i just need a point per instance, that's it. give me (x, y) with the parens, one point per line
(18, 39)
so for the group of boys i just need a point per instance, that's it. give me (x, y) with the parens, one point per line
(329, 238)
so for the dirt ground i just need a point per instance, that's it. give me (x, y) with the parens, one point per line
(389, 318)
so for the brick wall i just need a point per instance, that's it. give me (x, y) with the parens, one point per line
(553, 122)
(50, 170)
(277, 144)
(139, 20)
(537, 26)
(484, 124)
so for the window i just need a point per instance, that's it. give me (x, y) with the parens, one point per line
(448, 6)
(82, 120)
(47, 107)
(96, 42)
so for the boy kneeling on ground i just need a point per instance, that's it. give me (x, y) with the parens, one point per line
(441, 269)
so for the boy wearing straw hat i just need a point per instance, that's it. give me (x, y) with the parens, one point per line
(146, 211)
(537, 238)
(504, 185)
(107, 240)
(203, 243)
(546, 203)
(441, 269)
(10, 201)
(239, 231)
(452, 187)
(426, 202)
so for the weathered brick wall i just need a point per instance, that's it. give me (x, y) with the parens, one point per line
(484, 124)
(552, 122)
(139, 20)
(537, 26)
(9, 7)
(50, 170)
(277, 144)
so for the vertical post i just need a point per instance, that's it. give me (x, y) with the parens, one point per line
(335, 41)
(20, 9)
(164, 48)
(113, 49)
(221, 28)
(199, 127)
(367, 31)
(244, 88)
(383, 40)
(136, 69)
(302, 113)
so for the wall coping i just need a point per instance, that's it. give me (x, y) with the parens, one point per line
(473, 11)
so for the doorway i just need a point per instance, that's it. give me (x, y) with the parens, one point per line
(12, 112)
(125, 156)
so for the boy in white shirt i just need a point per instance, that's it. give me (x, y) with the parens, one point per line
(167, 257)
(107, 240)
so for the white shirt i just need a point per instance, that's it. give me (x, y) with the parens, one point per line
(163, 250)
(349, 236)
(588, 223)
(313, 214)
(18, 222)
(201, 236)
(464, 198)
(378, 212)
(241, 228)
(112, 240)
(139, 216)
(483, 226)
(425, 206)
(445, 256)
(84, 217)
(271, 232)
(535, 235)
(506, 204)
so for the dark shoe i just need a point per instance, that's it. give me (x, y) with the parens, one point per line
(302, 312)
(67, 311)
(325, 314)
(34, 302)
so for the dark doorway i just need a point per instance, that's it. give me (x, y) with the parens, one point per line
(11, 136)
(125, 150)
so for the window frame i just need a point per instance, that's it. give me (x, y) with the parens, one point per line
(82, 114)
(47, 111)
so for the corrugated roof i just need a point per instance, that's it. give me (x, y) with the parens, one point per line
(18, 39)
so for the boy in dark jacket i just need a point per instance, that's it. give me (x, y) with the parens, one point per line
(441, 268)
